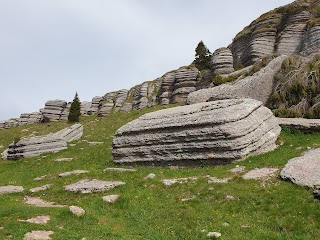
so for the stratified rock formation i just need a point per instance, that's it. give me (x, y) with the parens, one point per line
(36, 146)
(259, 86)
(222, 61)
(292, 37)
(53, 109)
(177, 85)
(206, 133)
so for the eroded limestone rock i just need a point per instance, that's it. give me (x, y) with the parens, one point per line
(206, 133)
(89, 186)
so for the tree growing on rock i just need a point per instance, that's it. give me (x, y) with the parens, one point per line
(74, 113)
(202, 57)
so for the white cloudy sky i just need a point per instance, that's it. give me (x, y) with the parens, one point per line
(49, 49)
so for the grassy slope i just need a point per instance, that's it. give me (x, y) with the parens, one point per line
(149, 210)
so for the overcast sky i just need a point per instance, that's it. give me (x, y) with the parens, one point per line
(49, 49)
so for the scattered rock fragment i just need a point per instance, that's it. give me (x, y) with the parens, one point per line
(214, 235)
(218, 180)
(230, 197)
(238, 169)
(38, 235)
(42, 188)
(40, 178)
(110, 198)
(89, 186)
(64, 159)
(95, 143)
(65, 174)
(78, 211)
(150, 176)
(38, 202)
(188, 198)
(10, 189)
(119, 170)
(304, 170)
(260, 173)
(42, 220)
(169, 182)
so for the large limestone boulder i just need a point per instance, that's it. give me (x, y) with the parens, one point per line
(36, 146)
(206, 133)
(304, 170)
(259, 86)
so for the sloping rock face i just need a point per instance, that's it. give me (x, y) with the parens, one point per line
(222, 61)
(259, 86)
(302, 124)
(53, 109)
(206, 133)
(292, 37)
(36, 146)
(304, 170)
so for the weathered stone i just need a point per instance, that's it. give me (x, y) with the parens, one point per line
(40, 178)
(212, 133)
(74, 172)
(150, 176)
(302, 124)
(218, 180)
(89, 186)
(169, 182)
(304, 170)
(85, 108)
(214, 235)
(64, 159)
(10, 189)
(292, 37)
(78, 211)
(38, 202)
(119, 170)
(42, 220)
(95, 104)
(260, 173)
(105, 109)
(110, 198)
(238, 169)
(36, 146)
(259, 86)
(311, 43)
(222, 61)
(38, 235)
(126, 107)
(95, 143)
(42, 188)
(53, 109)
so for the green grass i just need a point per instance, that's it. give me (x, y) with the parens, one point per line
(147, 209)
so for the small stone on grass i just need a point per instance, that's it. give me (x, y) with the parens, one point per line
(110, 198)
(38, 220)
(42, 188)
(214, 235)
(11, 189)
(150, 176)
(38, 235)
(78, 211)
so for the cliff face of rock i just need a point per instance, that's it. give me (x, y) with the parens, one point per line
(206, 133)
(291, 29)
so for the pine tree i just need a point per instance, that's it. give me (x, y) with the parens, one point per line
(202, 57)
(74, 113)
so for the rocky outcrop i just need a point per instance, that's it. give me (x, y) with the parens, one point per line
(177, 85)
(95, 104)
(120, 98)
(222, 61)
(206, 133)
(292, 37)
(36, 146)
(54, 109)
(312, 40)
(8, 124)
(85, 108)
(29, 118)
(304, 170)
(259, 86)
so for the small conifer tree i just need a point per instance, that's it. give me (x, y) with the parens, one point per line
(202, 57)
(74, 113)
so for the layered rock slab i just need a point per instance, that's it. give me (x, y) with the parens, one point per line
(216, 132)
(304, 170)
(36, 146)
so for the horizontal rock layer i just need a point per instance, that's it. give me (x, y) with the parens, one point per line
(214, 133)
(222, 61)
(36, 146)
